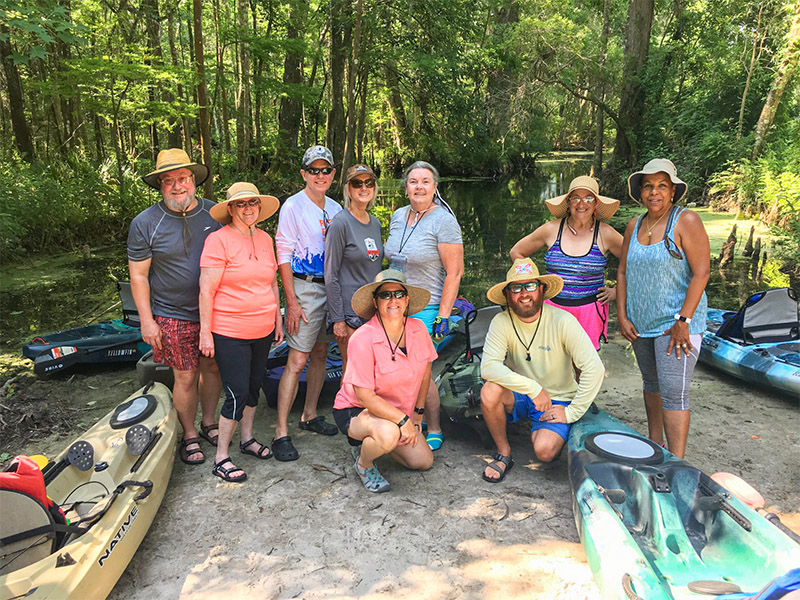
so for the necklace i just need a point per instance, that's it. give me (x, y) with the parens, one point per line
(388, 340)
(575, 232)
(650, 227)
(527, 346)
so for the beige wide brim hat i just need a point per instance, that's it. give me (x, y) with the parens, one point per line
(241, 190)
(524, 269)
(171, 160)
(606, 206)
(657, 165)
(364, 306)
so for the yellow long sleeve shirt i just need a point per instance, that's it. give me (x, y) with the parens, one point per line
(560, 342)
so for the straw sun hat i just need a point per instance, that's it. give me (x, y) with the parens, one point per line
(364, 306)
(242, 190)
(657, 165)
(524, 269)
(606, 206)
(171, 160)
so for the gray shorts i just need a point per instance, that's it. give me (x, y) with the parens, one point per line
(665, 374)
(314, 302)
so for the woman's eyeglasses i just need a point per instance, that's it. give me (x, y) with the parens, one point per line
(516, 288)
(386, 295)
(168, 182)
(317, 170)
(242, 203)
(672, 248)
(577, 199)
(359, 183)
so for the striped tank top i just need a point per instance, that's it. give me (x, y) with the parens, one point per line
(657, 283)
(582, 275)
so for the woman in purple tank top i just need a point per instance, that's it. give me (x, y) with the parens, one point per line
(577, 243)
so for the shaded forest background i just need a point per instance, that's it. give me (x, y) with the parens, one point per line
(90, 90)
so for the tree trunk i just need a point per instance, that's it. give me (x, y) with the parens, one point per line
(753, 60)
(152, 24)
(631, 103)
(202, 95)
(244, 114)
(335, 129)
(362, 114)
(176, 139)
(500, 81)
(788, 65)
(399, 122)
(22, 134)
(221, 83)
(291, 109)
(352, 72)
(597, 161)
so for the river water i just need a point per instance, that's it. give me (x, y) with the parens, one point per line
(68, 290)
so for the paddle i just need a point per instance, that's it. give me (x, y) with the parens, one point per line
(59, 358)
(748, 494)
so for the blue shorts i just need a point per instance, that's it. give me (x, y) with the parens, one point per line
(427, 315)
(525, 409)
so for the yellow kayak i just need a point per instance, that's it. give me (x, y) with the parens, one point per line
(110, 483)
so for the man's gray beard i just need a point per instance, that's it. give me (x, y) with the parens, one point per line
(179, 206)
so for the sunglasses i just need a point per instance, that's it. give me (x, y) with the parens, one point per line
(359, 183)
(318, 170)
(673, 250)
(170, 181)
(577, 199)
(516, 288)
(242, 203)
(387, 295)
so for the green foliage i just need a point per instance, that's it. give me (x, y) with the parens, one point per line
(37, 27)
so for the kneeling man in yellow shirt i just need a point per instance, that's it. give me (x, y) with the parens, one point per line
(528, 359)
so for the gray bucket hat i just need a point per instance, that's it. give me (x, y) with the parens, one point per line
(657, 165)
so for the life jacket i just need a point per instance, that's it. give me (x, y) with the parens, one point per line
(24, 475)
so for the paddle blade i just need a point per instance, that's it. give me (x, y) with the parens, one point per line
(40, 460)
(739, 488)
(54, 360)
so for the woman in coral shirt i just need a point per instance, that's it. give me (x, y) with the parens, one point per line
(239, 314)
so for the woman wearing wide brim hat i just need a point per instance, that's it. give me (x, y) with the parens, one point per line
(661, 308)
(577, 243)
(382, 399)
(240, 315)
(173, 159)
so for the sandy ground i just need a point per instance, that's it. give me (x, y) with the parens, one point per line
(308, 529)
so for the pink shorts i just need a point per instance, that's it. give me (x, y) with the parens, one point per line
(180, 343)
(593, 317)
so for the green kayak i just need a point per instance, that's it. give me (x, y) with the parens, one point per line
(654, 527)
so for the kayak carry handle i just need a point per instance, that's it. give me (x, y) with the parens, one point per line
(627, 588)
(147, 485)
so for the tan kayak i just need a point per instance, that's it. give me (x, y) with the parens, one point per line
(110, 483)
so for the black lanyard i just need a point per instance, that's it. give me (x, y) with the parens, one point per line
(528, 346)
(403, 238)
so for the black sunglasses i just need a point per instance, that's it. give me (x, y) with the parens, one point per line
(358, 183)
(516, 288)
(318, 170)
(242, 203)
(386, 295)
(673, 252)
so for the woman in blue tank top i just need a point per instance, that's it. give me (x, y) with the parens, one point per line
(661, 299)
(577, 243)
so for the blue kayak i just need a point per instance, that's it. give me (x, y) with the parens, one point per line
(773, 365)
(656, 528)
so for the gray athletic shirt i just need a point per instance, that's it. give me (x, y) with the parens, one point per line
(158, 233)
(353, 257)
(420, 244)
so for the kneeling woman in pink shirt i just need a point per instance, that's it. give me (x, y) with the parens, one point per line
(239, 314)
(382, 399)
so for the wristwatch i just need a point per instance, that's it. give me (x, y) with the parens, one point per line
(419, 411)
(680, 317)
(403, 421)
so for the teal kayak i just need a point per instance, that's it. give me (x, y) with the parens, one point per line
(656, 528)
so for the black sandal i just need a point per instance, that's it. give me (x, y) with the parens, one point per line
(225, 474)
(494, 465)
(184, 453)
(258, 453)
(284, 449)
(318, 425)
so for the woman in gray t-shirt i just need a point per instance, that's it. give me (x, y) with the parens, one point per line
(425, 243)
(353, 253)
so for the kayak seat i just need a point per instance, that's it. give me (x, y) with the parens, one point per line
(28, 536)
(130, 315)
(770, 316)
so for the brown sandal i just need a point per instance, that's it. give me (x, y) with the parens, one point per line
(184, 453)
(206, 429)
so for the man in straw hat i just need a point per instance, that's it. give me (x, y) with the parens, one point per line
(528, 359)
(300, 243)
(165, 242)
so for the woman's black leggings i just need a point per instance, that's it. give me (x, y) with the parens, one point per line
(241, 365)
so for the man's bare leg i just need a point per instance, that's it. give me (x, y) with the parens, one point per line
(287, 389)
(496, 403)
(184, 398)
(315, 378)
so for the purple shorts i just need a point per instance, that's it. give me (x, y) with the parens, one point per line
(180, 343)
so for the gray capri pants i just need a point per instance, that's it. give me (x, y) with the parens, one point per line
(664, 374)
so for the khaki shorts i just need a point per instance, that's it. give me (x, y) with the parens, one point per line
(314, 302)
